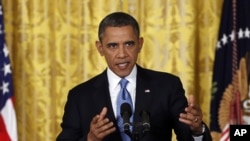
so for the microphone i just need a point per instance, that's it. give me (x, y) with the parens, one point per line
(145, 121)
(126, 113)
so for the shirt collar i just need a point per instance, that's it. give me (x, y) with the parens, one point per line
(113, 79)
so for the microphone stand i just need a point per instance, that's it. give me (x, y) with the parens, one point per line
(140, 129)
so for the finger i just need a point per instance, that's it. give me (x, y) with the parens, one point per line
(191, 100)
(189, 119)
(103, 113)
(99, 120)
(92, 132)
(193, 107)
(185, 120)
(96, 126)
(196, 111)
(95, 119)
(106, 127)
(191, 124)
(188, 116)
(102, 120)
(106, 130)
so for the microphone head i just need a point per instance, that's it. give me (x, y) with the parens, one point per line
(126, 108)
(145, 115)
(145, 121)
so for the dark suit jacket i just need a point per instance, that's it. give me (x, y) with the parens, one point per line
(159, 93)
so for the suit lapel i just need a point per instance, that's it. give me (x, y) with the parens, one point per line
(102, 99)
(101, 95)
(143, 93)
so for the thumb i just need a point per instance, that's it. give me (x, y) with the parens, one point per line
(191, 100)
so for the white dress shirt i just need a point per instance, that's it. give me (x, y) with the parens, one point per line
(114, 86)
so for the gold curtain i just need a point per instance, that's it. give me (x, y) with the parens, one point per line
(52, 48)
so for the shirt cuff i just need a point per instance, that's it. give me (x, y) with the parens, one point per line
(198, 138)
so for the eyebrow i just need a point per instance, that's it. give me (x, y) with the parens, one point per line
(115, 44)
(112, 44)
(130, 42)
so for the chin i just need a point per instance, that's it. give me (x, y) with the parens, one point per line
(123, 74)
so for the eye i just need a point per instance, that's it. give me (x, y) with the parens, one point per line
(112, 45)
(130, 43)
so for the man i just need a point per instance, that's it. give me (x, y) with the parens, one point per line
(91, 110)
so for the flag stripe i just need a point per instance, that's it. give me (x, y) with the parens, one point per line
(8, 123)
(225, 133)
(3, 133)
(9, 117)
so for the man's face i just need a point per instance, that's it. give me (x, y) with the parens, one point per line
(120, 46)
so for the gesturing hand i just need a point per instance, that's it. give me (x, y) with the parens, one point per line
(100, 127)
(193, 116)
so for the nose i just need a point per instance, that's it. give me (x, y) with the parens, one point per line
(122, 52)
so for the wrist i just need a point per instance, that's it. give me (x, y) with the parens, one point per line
(200, 131)
(89, 138)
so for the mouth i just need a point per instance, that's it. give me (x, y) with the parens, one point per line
(123, 66)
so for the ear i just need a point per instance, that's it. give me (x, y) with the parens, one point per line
(99, 47)
(140, 43)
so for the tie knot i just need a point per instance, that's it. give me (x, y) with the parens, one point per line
(123, 82)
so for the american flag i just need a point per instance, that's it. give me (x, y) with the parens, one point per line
(231, 74)
(8, 126)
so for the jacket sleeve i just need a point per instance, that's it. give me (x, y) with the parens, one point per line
(71, 128)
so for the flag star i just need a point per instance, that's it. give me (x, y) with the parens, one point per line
(7, 69)
(232, 36)
(218, 46)
(224, 39)
(5, 87)
(5, 51)
(247, 33)
(240, 34)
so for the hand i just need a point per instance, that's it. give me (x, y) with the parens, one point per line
(193, 116)
(100, 127)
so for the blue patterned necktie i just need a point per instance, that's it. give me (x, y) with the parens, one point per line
(123, 97)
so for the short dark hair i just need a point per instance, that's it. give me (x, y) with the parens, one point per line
(118, 19)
